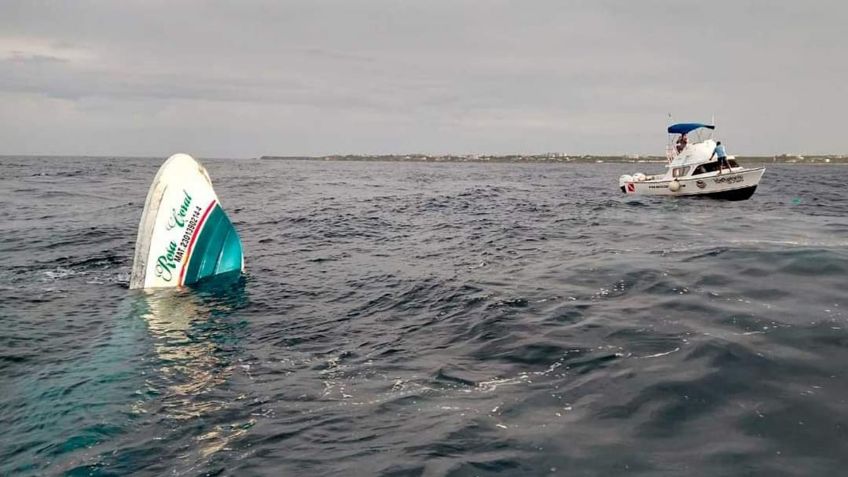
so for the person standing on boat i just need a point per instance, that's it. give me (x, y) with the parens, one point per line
(681, 142)
(721, 155)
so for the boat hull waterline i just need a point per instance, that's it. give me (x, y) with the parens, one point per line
(739, 184)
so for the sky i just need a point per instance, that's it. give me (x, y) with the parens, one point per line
(249, 78)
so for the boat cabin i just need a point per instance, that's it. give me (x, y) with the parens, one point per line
(689, 149)
(705, 168)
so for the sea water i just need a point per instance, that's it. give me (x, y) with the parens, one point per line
(427, 319)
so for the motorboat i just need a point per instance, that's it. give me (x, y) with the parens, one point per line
(693, 170)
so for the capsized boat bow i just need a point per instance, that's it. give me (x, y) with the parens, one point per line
(184, 236)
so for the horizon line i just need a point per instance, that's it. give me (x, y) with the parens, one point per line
(419, 154)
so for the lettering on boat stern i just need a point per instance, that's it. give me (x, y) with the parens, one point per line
(167, 262)
(728, 179)
(177, 218)
(682, 186)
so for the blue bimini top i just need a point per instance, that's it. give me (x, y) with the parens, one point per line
(685, 128)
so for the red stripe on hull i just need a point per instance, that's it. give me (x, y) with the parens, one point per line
(191, 242)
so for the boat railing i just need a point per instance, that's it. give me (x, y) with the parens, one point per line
(670, 152)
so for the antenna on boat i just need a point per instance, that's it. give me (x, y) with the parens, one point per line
(669, 147)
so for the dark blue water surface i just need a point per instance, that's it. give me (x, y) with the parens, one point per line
(427, 319)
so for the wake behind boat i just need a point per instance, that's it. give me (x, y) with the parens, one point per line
(693, 170)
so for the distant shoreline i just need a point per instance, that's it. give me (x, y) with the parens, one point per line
(828, 159)
(553, 158)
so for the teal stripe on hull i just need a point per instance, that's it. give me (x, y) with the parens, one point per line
(217, 249)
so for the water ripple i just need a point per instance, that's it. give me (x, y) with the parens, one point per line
(427, 319)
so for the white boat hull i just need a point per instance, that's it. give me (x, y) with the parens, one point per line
(738, 184)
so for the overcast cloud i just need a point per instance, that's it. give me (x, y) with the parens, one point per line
(243, 79)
